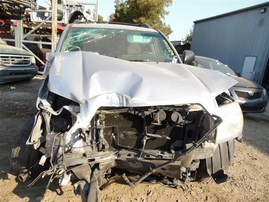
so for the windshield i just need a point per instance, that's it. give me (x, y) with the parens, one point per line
(131, 45)
(214, 65)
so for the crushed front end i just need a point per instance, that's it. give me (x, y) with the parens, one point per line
(162, 141)
(96, 123)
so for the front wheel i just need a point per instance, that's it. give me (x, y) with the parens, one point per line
(24, 157)
(220, 161)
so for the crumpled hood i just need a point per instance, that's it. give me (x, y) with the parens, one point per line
(242, 82)
(95, 80)
(6, 49)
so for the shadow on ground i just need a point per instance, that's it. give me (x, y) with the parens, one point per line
(256, 130)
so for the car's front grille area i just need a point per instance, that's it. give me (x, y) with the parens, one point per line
(253, 109)
(247, 95)
(15, 60)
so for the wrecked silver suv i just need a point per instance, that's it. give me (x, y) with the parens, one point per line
(118, 102)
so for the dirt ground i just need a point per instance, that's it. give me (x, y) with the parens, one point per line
(248, 175)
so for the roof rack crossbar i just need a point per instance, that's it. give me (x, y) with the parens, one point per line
(145, 25)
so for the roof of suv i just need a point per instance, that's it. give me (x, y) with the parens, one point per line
(114, 26)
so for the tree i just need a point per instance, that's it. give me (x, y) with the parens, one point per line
(100, 18)
(188, 38)
(150, 12)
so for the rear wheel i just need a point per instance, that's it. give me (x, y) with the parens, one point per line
(24, 157)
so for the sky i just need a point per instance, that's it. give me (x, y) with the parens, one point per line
(182, 13)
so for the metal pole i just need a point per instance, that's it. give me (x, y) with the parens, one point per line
(96, 10)
(37, 58)
(54, 25)
(18, 33)
(38, 26)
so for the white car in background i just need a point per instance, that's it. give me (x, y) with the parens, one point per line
(16, 64)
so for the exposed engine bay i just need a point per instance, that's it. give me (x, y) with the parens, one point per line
(165, 141)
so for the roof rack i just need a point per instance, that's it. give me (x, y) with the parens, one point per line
(145, 25)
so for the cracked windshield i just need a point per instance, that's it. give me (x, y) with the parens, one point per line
(131, 45)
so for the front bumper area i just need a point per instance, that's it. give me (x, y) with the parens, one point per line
(254, 107)
(251, 100)
(13, 74)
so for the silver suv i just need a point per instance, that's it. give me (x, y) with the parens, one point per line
(117, 101)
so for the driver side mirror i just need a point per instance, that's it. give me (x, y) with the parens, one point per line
(188, 57)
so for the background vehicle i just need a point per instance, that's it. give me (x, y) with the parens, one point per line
(181, 46)
(67, 11)
(16, 64)
(251, 96)
(15, 9)
(117, 102)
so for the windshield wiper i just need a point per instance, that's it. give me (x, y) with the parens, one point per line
(139, 60)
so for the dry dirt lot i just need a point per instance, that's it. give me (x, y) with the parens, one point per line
(248, 176)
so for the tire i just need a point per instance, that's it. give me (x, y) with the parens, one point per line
(24, 157)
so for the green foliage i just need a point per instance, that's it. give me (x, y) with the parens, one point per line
(189, 36)
(100, 18)
(150, 12)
